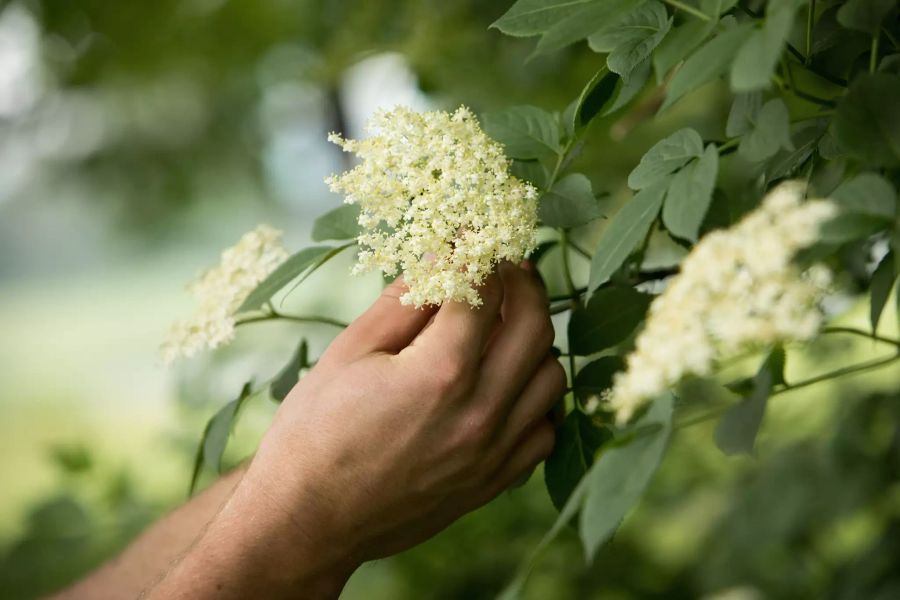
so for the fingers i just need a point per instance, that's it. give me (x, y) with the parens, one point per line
(522, 341)
(460, 331)
(532, 448)
(387, 326)
(538, 399)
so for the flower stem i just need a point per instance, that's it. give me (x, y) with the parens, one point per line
(873, 58)
(858, 368)
(688, 9)
(277, 316)
(866, 366)
(861, 333)
(810, 17)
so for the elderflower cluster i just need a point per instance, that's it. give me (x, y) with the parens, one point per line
(738, 289)
(219, 292)
(437, 203)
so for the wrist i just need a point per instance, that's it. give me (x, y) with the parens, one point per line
(287, 538)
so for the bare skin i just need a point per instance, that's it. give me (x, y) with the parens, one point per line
(411, 419)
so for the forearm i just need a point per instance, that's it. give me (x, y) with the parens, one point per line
(254, 548)
(148, 558)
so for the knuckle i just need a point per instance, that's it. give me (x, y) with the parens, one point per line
(451, 374)
(479, 429)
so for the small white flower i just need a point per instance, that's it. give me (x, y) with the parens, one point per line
(437, 203)
(737, 290)
(219, 292)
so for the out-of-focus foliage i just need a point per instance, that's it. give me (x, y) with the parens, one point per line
(147, 109)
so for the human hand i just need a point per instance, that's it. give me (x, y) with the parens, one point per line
(411, 419)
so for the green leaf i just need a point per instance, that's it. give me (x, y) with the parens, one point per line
(287, 378)
(678, 44)
(338, 224)
(771, 131)
(690, 194)
(736, 431)
(620, 475)
(532, 17)
(626, 230)
(569, 203)
(597, 376)
(743, 114)
(215, 436)
(577, 442)
(305, 261)
(526, 132)
(867, 194)
(543, 248)
(611, 315)
(867, 122)
(628, 89)
(595, 96)
(586, 20)
(864, 15)
(707, 63)
(532, 171)
(665, 157)
(786, 162)
(755, 62)
(880, 289)
(630, 40)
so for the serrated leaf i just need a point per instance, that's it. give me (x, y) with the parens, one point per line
(626, 90)
(582, 23)
(864, 15)
(215, 436)
(771, 131)
(569, 203)
(305, 261)
(526, 132)
(690, 194)
(707, 63)
(611, 315)
(737, 430)
(867, 122)
(532, 17)
(577, 442)
(532, 171)
(337, 224)
(626, 230)
(678, 44)
(880, 288)
(618, 478)
(755, 62)
(287, 378)
(596, 377)
(665, 157)
(595, 96)
(630, 40)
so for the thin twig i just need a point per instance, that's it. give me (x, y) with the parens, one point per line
(689, 9)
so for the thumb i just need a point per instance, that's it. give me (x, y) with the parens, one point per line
(387, 325)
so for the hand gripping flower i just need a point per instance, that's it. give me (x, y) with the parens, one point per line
(437, 203)
(738, 290)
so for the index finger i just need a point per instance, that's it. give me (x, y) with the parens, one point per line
(461, 330)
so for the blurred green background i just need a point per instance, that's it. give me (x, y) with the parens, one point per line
(137, 139)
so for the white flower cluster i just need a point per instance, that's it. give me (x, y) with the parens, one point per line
(220, 291)
(437, 203)
(738, 290)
